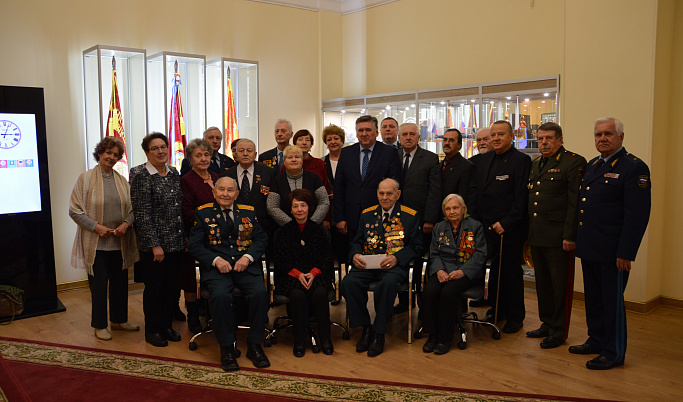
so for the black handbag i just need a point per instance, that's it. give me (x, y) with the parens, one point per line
(11, 302)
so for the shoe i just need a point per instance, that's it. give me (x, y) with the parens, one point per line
(551, 342)
(327, 346)
(124, 326)
(193, 322)
(155, 339)
(228, 359)
(430, 344)
(511, 327)
(103, 334)
(538, 333)
(178, 314)
(442, 348)
(401, 308)
(377, 346)
(479, 303)
(171, 335)
(257, 356)
(299, 349)
(365, 340)
(490, 315)
(584, 349)
(602, 363)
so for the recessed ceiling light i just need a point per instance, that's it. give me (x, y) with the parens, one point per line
(443, 103)
(542, 101)
(413, 105)
(526, 99)
(407, 108)
(508, 97)
(546, 94)
(473, 100)
(388, 107)
(343, 111)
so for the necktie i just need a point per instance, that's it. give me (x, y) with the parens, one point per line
(228, 219)
(406, 165)
(279, 160)
(245, 183)
(600, 163)
(366, 162)
(385, 219)
(544, 160)
(216, 161)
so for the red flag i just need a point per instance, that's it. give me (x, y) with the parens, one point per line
(176, 124)
(231, 132)
(450, 117)
(491, 116)
(115, 121)
(473, 117)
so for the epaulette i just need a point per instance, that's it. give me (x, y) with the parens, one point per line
(408, 210)
(633, 157)
(247, 207)
(208, 204)
(571, 154)
(537, 158)
(372, 208)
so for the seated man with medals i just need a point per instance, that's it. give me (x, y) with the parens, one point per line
(228, 242)
(389, 229)
(458, 256)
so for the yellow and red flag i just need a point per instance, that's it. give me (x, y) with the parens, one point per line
(115, 121)
(176, 124)
(231, 131)
(473, 117)
(491, 116)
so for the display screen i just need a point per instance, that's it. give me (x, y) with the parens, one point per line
(19, 175)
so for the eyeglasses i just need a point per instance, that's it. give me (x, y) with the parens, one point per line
(161, 148)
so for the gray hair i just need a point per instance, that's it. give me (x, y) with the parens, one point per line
(292, 148)
(245, 140)
(618, 125)
(220, 179)
(417, 129)
(211, 129)
(289, 123)
(450, 197)
(194, 144)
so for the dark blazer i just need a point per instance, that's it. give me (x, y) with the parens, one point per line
(371, 235)
(269, 158)
(452, 251)
(246, 237)
(456, 178)
(614, 204)
(554, 198)
(422, 185)
(226, 163)
(501, 195)
(303, 250)
(351, 193)
(258, 194)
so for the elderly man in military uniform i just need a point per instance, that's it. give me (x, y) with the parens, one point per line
(228, 242)
(390, 229)
(614, 210)
(553, 220)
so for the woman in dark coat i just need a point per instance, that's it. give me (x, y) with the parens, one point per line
(303, 271)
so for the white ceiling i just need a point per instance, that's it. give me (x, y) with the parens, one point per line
(340, 6)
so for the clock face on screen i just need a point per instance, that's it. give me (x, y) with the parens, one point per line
(10, 135)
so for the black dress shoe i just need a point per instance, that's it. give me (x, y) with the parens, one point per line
(327, 346)
(551, 342)
(228, 359)
(602, 363)
(479, 303)
(178, 314)
(377, 346)
(538, 333)
(156, 339)
(442, 348)
(430, 344)
(257, 356)
(299, 349)
(584, 349)
(511, 327)
(365, 339)
(171, 334)
(401, 308)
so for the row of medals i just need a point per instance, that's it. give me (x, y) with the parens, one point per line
(393, 236)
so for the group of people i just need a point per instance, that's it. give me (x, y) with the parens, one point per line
(391, 199)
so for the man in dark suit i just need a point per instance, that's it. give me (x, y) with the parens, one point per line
(553, 220)
(254, 180)
(219, 163)
(228, 242)
(614, 210)
(389, 132)
(360, 168)
(391, 229)
(498, 199)
(273, 157)
(421, 188)
(456, 171)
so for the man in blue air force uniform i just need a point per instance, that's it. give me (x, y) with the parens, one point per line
(389, 228)
(614, 210)
(228, 242)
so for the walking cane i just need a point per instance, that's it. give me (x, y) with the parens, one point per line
(500, 264)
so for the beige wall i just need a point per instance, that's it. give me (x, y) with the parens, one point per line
(42, 44)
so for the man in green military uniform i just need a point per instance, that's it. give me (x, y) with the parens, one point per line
(391, 229)
(554, 183)
(228, 242)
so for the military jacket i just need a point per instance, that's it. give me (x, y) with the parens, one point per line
(465, 250)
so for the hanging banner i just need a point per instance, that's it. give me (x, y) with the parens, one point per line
(115, 122)
(176, 124)
(231, 131)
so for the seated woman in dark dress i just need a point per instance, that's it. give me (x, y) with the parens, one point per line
(303, 271)
(458, 256)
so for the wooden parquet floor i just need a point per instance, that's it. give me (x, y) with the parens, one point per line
(515, 363)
